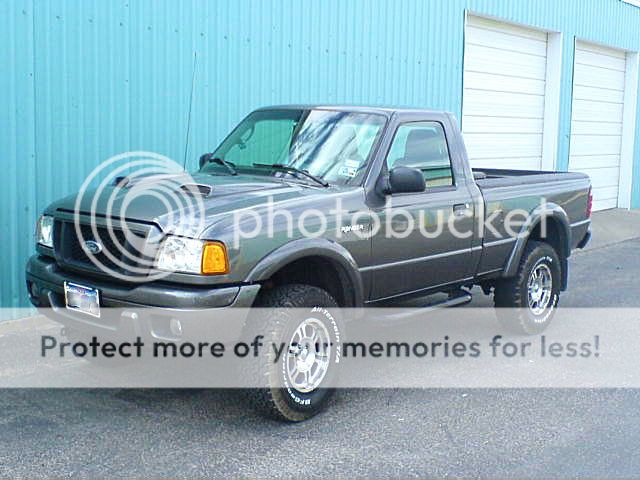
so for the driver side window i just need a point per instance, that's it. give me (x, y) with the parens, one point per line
(422, 145)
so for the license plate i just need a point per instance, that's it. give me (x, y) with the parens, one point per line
(82, 299)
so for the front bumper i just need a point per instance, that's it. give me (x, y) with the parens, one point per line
(123, 304)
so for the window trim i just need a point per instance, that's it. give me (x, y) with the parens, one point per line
(439, 188)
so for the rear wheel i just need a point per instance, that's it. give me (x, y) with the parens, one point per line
(297, 380)
(526, 303)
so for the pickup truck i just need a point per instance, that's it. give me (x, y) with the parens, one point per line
(397, 175)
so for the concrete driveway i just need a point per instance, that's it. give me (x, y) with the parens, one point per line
(372, 433)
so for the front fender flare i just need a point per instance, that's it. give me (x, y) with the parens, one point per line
(311, 247)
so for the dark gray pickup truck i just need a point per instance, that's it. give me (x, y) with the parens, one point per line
(308, 206)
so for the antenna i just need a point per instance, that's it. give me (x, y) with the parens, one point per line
(193, 85)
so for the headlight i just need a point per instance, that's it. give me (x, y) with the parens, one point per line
(188, 255)
(44, 231)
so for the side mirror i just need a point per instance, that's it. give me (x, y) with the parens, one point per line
(405, 180)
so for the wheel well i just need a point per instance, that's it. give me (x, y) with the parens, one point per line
(319, 272)
(555, 235)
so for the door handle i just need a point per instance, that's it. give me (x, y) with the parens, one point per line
(461, 209)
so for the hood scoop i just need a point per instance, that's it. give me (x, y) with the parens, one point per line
(189, 188)
(125, 181)
(121, 182)
(197, 189)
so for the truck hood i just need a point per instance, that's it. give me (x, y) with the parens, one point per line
(217, 195)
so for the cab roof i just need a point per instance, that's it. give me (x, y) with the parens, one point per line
(380, 110)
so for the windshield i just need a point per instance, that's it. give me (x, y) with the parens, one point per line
(331, 145)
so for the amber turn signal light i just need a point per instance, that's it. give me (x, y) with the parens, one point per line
(214, 259)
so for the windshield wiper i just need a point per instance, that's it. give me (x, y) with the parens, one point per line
(209, 158)
(289, 169)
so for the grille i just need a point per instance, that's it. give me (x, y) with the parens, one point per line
(111, 245)
(69, 249)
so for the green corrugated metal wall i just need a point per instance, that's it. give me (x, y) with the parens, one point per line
(83, 80)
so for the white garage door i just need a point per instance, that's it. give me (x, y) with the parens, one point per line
(596, 120)
(504, 94)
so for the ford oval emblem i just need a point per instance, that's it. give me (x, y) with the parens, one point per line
(92, 247)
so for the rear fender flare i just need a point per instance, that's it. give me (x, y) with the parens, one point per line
(539, 214)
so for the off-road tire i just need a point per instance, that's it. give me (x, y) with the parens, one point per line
(511, 294)
(275, 401)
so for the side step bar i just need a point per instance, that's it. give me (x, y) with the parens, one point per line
(455, 299)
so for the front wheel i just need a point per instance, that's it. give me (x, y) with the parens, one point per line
(306, 319)
(526, 303)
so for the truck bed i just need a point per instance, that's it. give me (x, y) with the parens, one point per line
(493, 177)
(507, 190)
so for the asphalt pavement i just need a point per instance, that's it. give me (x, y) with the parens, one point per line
(364, 433)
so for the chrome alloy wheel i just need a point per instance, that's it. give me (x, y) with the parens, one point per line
(309, 355)
(540, 288)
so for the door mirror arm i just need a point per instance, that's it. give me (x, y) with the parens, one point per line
(383, 188)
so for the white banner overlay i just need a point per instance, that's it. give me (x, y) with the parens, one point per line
(380, 348)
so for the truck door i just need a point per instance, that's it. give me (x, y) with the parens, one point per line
(425, 238)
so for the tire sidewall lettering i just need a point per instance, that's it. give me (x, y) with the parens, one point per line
(322, 314)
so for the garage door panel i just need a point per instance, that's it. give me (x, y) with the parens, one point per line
(603, 204)
(591, 47)
(590, 110)
(605, 193)
(529, 141)
(510, 145)
(485, 124)
(504, 62)
(502, 104)
(585, 57)
(602, 177)
(582, 92)
(605, 197)
(503, 83)
(595, 144)
(586, 162)
(490, 37)
(595, 128)
(596, 120)
(598, 77)
(509, 163)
